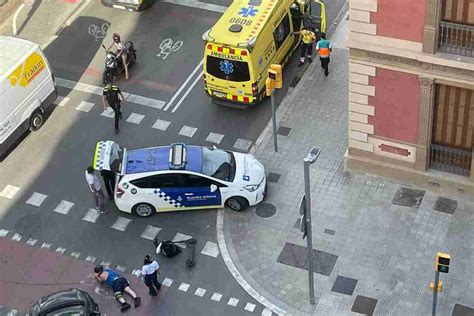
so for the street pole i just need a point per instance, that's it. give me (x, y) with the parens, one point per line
(275, 145)
(309, 230)
(435, 293)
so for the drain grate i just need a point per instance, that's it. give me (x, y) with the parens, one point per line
(364, 305)
(445, 205)
(284, 131)
(344, 285)
(266, 210)
(273, 177)
(408, 197)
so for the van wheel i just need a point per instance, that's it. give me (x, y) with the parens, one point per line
(237, 203)
(36, 121)
(143, 210)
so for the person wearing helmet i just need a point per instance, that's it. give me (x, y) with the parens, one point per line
(119, 285)
(121, 51)
(150, 271)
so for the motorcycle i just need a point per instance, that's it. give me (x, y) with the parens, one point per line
(114, 64)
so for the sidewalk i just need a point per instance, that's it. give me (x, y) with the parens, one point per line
(376, 239)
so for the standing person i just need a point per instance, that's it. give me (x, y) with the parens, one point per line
(112, 95)
(109, 181)
(306, 44)
(94, 185)
(150, 271)
(119, 285)
(324, 48)
(121, 51)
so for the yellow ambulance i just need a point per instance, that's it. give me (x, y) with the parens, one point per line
(251, 35)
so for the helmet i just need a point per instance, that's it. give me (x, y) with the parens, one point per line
(98, 269)
(116, 37)
(147, 260)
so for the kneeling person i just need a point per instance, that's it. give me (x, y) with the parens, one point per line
(118, 283)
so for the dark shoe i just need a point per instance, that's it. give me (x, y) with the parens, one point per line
(120, 115)
(138, 301)
(310, 59)
(124, 307)
(153, 293)
(301, 64)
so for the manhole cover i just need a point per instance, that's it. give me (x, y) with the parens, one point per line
(408, 197)
(266, 210)
(446, 205)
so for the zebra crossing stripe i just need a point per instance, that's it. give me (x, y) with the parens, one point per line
(184, 287)
(60, 250)
(266, 312)
(200, 292)
(9, 191)
(162, 125)
(45, 245)
(216, 297)
(121, 223)
(135, 118)
(233, 301)
(85, 106)
(36, 199)
(250, 307)
(108, 112)
(181, 237)
(91, 259)
(136, 272)
(16, 237)
(150, 232)
(210, 249)
(187, 131)
(91, 216)
(61, 101)
(75, 255)
(120, 268)
(4, 232)
(63, 207)
(167, 282)
(31, 241)
(214, 138)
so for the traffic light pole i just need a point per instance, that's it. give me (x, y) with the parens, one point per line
(275, 141)
(435, 293)
(309, 230)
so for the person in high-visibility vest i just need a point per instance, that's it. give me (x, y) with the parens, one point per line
(324, 48)
(307, 40)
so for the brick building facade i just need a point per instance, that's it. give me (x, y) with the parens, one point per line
(411, 89)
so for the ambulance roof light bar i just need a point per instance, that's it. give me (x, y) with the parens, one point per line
(177, 158)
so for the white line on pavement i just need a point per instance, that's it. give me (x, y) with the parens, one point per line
(150, 232)
(184, 287)
(210, 249)
(133, 98)
(63, 207)
(31, 241)
(186, 94)
(167, 282)
(3, 232)
(16, 237)
(170, 102)
(198, 5)
(181, 237)
(9, 191)
(121, 223)
(91, 216)
(250, 307)
(233, 301)
(36, 199)
(15, 17)
(216, 297)
(60, 250)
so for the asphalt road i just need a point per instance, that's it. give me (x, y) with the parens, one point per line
(52, 161)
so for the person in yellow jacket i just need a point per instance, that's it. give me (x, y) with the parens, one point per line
(307, 40)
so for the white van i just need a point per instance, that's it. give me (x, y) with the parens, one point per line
(27, 89)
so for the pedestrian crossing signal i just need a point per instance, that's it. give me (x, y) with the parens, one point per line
(269, 86)
(276, 71)
(442, 262)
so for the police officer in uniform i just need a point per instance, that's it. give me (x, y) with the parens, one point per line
(308, 37)
(112, 95)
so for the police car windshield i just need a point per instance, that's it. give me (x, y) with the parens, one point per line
(218, 163)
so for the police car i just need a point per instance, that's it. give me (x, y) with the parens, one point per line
(181, 177)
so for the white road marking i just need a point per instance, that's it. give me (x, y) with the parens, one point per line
(250, 307)
(91, 216)
(210, 249)
(31, 241)
(16, 237)
(266, 312)
(106, 263)
(135, 118)
(133, 98)
(120, 268)
(233, 301)
(162, 125)
(167, 282)
(170, 102)
(242, 144)
(167, 47)
(187, 92)
(233, 269)
(184, 287)
(121, 223)
(216, 297)
(60, 250)
(187, 131)
(108, 112)
(45, 245)
(4, 232)
(91, 259)
(64, 207)
(198, 5)
(9, 191)
(75, 255)
(180, 237)
(137, 272)
(85, 106)
(61, 101)
(36, 199)
(150, 232)
(200, 292)
(214, 138)
(15, 17)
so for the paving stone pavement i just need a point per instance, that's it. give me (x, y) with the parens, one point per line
(388, 249)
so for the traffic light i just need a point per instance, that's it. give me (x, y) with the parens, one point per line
(442, 262)
(277, 70)
(303, 226)
(269, 86)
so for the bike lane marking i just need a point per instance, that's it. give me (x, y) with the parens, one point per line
(170, 102)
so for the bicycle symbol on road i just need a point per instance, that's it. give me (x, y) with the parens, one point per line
(98, 32)
(167, 47)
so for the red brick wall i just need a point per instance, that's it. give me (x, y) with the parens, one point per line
(401, 19)
(396, 101)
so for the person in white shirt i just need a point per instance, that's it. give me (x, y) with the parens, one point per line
(96, 189)
(150, 272)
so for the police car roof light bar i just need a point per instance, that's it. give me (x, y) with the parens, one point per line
(177, 159)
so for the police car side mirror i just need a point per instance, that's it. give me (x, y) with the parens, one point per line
(213, 188)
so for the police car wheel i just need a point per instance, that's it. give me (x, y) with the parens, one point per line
(237, 203)
(143, 210)
(36, 121)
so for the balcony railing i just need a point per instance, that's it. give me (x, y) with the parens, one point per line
(456, 38)
(450, 160)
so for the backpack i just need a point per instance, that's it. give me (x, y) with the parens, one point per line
(168, 249)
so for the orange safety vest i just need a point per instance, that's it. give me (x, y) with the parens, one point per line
(324, 47)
